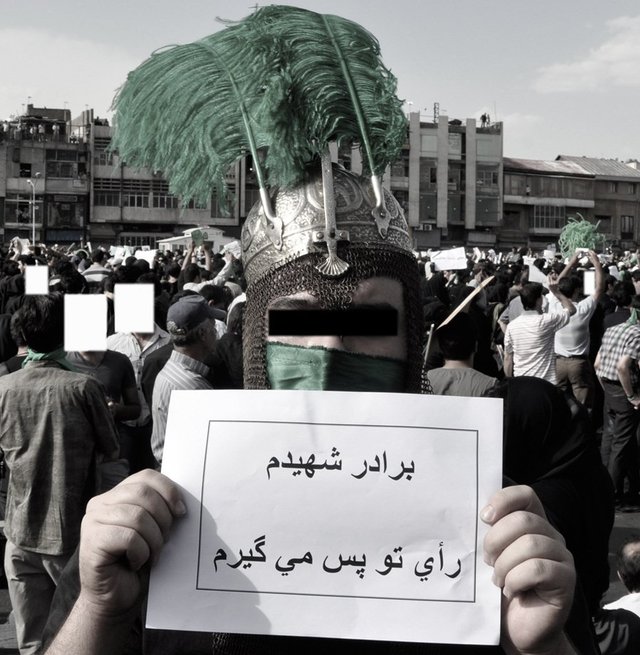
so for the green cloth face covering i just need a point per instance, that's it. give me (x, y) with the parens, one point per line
(326, 369)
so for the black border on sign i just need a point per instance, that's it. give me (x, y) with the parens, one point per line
(361, 425)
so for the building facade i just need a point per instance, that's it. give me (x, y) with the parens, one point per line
(449, 180)
(59, 174)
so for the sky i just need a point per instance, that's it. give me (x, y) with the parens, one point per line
(562, 75)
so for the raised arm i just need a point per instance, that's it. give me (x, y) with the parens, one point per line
(188, 255)
(566, 303)
(600, 280)
(569, 265)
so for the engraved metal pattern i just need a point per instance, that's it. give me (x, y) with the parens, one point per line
(301, 211)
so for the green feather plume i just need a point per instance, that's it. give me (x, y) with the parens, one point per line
(579, 233)
(339, 89)
(192, 110)
(279, 85)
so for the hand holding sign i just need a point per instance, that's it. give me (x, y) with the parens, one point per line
(534, 569)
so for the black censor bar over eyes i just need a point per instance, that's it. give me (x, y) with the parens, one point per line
(356, 322)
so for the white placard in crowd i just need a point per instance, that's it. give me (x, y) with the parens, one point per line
(85, 322)
(589, 283)
(536, 275)
(330, 514)
(133, 308)
(234, 248)
(148, 255)
(454, 259)
(36, 280)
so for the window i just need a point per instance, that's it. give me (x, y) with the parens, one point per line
(65, 163)
(514, 185)
(135, 193)
(61, 169)
(25, 170)
(631, 188)
(487, 179)
(548, 217)
(162, 199)
(613, 187)
(400, 168)
(106, 192)
(626, 227)
(107, 199)
(101, 156)
(603, 223)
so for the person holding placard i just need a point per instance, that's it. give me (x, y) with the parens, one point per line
(333, 303)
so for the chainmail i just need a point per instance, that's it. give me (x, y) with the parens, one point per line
(374, 260)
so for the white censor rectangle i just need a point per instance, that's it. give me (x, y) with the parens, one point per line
(331, 514)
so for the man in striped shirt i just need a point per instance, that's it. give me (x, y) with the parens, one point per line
(617, 369)
(191, 325)
(529, 340)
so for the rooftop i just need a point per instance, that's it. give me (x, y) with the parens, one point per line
(545, 167)
(602, 167)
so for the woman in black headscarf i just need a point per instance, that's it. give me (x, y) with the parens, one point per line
(548, 445)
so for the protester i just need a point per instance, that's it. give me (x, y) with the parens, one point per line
(55, 423)
(574, 370)
(137, 347)
(529, 340)
(616, 366)
(190, 322)
(458, 342)
(115, 372)
(379, 275)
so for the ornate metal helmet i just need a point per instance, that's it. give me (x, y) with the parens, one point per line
(316, 217)
(281, 85)
(326, 248)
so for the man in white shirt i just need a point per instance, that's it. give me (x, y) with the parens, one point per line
(529, 340)
(573, 367)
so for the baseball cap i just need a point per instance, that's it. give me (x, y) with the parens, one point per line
(187, 314)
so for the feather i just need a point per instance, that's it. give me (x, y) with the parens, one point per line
(192, 110)
(339, 88)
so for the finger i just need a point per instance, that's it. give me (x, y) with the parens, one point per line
(511, 499)
(162, 485)
(129, 518)
(105, 544)
(135, 493)
(552, 581)
(512, 527)
(530, 546)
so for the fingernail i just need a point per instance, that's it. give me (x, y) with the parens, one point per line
(181, 508)
(487, 514)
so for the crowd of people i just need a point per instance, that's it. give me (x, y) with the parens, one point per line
(75, 424)
(86, 509)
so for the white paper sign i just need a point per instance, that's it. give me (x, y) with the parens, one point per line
(450, 260)
(333, 514)
(589, 283)
(536, 275)
(147, 255)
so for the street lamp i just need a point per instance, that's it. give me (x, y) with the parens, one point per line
(33, 210)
